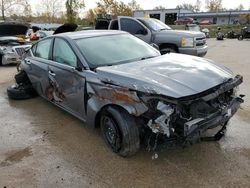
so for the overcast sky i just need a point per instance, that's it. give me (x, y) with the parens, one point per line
(149, 4)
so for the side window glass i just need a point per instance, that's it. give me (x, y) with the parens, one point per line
(42, 49)
(63, 53)
(132, 26)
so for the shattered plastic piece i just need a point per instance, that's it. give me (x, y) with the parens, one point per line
(161, 124)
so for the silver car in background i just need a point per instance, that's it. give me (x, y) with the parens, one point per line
(12, 42)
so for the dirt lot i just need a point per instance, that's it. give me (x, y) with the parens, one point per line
(42, 146)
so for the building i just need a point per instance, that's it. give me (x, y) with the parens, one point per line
(168, 16)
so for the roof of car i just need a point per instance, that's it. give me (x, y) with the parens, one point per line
(90, 33)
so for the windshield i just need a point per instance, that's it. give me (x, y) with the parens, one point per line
(155, 24)
(114, 49)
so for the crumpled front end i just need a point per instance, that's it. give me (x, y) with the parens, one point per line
(185, 120)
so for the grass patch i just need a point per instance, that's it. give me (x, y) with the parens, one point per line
(213, 28)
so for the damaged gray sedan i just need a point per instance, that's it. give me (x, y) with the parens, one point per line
(116, 81)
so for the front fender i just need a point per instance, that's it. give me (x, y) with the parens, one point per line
(99, 96)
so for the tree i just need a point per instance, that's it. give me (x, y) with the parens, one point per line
(50, 8)
(186, 6)
(244, 19)
(134, 5)
(197, 6)
(27, 12)
(240, 7)
(73, 7)
(116, 8)
(7, 4)
(159, 7)
(91, 16)
(214, 5)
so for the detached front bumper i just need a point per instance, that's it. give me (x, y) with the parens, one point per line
(194, 129)
(183, 131)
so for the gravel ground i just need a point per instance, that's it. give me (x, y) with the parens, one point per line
(42, 146)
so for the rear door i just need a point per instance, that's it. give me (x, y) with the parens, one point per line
(134, 27)
(67, 84)
(36, 65)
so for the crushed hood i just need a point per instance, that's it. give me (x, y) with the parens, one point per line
(65, 28)
(13, 29)
(173, 75)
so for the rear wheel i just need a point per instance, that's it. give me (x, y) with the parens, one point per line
(119, 131)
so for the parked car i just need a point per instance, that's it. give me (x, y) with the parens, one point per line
(151, 30)
(12, 42)
(67, 27)
(43, 33)
(206, 31)
(192, 27)
(195, 27)
(184, 21)
(116, 81)
(205, 22)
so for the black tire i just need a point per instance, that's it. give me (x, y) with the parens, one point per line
(240, 37)
(19, 92)
(21, 77)
(120, 131)
(168, 49)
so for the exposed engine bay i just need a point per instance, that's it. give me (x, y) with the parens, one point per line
(184, 121)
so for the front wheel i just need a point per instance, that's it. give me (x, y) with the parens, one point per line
(20, 92)
(120, 131)
(168, 49)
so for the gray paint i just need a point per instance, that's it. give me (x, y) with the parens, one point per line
(173, 75)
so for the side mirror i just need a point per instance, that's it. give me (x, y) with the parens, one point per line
(141, 32)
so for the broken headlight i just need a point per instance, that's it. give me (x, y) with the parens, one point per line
(160, 122)
(6, 50)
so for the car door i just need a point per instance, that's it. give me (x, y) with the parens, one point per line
(134, 27)
(36, 65)
(66, 82)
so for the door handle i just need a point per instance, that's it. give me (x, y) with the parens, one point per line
(27, 62)
(52, 73)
